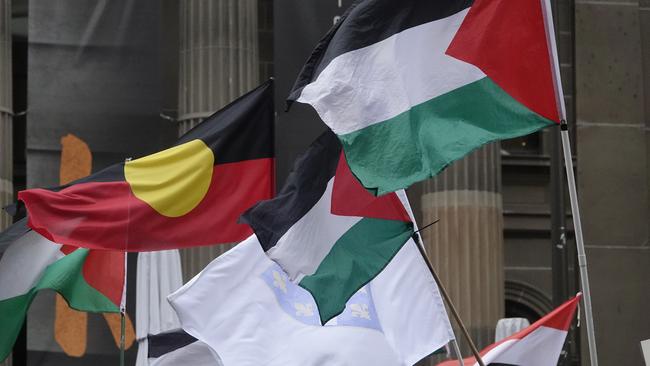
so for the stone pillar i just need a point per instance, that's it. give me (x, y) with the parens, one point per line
(613, 117)
(466, 245)
(6, 106)
(218, 62)
(6, 135)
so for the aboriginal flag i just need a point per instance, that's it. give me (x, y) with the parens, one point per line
(191, 194)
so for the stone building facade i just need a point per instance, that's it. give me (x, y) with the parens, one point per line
(493, 246)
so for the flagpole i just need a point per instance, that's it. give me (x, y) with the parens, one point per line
(418, 243)
(445, 296)
(122, 331)
(126, 271)
(123, 312)
(568, 164)
(459, 355)
(582, 255)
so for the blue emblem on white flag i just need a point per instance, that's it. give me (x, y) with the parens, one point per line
(299, 304)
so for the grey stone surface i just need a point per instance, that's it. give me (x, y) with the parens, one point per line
(613, 185)
(265, 34)
(521, 193)
(6, 136)
(612, 48)
(530, 253)
(621, 294)
(538, 278)
(6, 127)
(608, 54)
(99, 80)
(644, 18)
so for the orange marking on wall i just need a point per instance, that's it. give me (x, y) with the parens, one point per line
(71, 326)
(114, 323)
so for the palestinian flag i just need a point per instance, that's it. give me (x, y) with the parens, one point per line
(326, 231)
(410, 86)
(189, 195)
(89, 280)
(538, 345)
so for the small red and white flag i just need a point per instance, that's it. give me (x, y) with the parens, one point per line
(538, 345)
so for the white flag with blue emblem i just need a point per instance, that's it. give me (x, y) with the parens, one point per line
(245, 307)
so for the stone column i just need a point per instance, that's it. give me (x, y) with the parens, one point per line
(218, 62)
(6, 135)
(6, 106)
(466, 246)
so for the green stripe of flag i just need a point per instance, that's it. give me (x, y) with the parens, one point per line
(12, 316)
(64, 276)
(354, 260)
(420, 142)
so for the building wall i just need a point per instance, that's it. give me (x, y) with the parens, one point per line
(6, 111)
(98, 77)
(609, 82)
(94, 70)
(612, 89)
(265, 38)
(604, 51)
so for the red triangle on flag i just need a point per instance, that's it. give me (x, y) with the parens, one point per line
(349, 198)
(507, 40)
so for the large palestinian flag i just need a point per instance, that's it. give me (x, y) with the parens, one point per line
(189, 195)
(89, 280)
(410, 86)
(538, 345)
(326, 231)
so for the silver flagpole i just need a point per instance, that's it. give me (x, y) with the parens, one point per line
(126, 271)
(123, 311)
(459, 355)
(573, 194)
(582, 256)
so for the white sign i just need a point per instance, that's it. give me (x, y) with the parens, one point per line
(645, 348)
